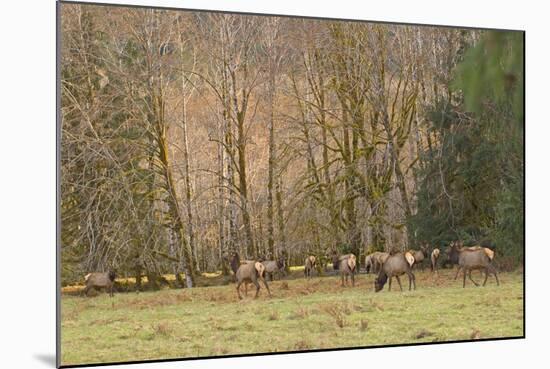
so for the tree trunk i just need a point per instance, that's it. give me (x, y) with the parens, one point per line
(190, 229)
(271, 161)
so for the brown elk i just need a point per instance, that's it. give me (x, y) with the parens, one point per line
(378, 259)
(100, 280)
(369, 263)
(471, 258)
(309, 265)
(346, 265)
(433, 258)
(420, 256)
(275, 266)
(248, 272)
(394, 266)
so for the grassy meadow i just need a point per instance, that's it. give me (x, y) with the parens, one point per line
(301, 315)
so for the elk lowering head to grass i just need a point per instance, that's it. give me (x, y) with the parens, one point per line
(275, 266)
(470, 258)
(100, 280)
(394, 266)
(248, 272)
(346, 266)
(309, 266)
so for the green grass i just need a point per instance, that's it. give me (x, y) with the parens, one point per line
(301, 315)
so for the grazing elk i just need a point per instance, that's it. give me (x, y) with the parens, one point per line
(471, 258)
(275, 266)
(346, 266)
(433, 258)
(248, 272)
(309, 266)
(394, 266)
(100, 280)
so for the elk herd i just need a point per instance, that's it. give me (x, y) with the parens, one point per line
(385, 266)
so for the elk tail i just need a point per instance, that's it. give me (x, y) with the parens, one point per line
(490, 253)
(410, 258)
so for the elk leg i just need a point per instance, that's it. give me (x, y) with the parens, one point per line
(457, 271)
(470, 276)
(413, 280)
(399, 281)
(266, 286)
(491, 269)
(411, 277)
(353, 279)
(239, 291)
(111, 291)
(464, 281)
(389, 284)
(486, 276)
(257, 288)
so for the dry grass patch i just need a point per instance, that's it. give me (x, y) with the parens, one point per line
(475, 335)
(302, 345)
(274, 315)
(336, 312)
(300, 313)
(163, 329)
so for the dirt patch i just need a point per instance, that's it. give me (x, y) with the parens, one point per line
(302, 345)
(423, 333)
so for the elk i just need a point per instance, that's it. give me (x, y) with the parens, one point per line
(346, 266)
(420, 256)
(377, 259)
(272, 266)
(394, 266)
(369, 263)
(100, 280)
(433, 258)
(248, 272)
(309, 266)
(470, 258)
